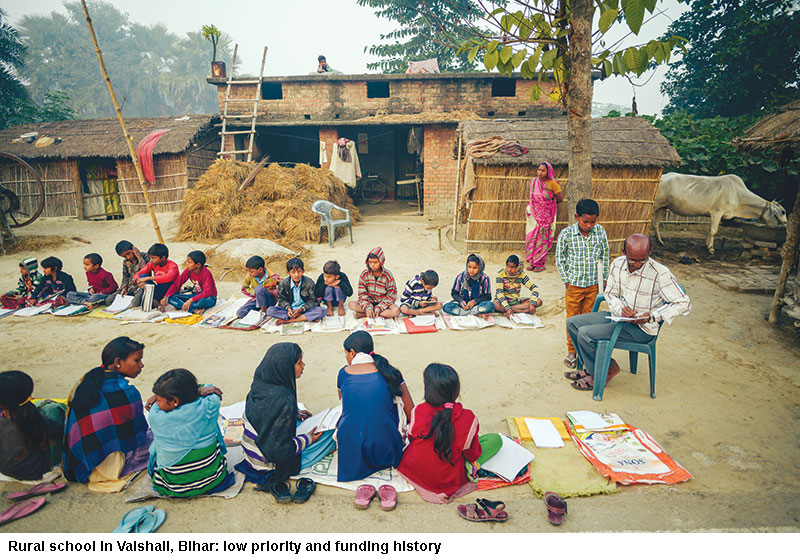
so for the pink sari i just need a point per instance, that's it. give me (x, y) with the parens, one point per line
(541, 215)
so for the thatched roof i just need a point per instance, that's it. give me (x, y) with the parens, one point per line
(616, 142)
(104, 138)
(778, 132)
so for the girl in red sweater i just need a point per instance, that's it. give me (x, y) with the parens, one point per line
(443, 435)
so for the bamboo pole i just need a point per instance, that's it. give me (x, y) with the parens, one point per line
(128, 137)
(788, 251)
(458, 182)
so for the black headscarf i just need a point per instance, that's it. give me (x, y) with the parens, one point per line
(271, 409)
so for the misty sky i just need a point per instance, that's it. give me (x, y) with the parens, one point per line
(297, 32)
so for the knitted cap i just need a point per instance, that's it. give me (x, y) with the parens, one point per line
(30, 264)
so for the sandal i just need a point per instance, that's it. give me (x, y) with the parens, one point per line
(151, 521)
(364, 495)
(131, 519)
(556, 508)
(388, 496)
(575, 375)
(22, 509)
(38, 490)
(571, 362)
(583, 384)
(279, 491)
(305, 487)
(490, 511)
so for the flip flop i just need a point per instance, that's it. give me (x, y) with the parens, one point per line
(305, 487)
(571, 363)
(38, 490)
(471, 512)
(151, 521)
(131, 519)
(556, 508)
(388, 496)
(22, 509)
(364, 495)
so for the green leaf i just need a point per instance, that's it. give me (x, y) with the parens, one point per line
(525, 29)
(536, 92)
(519, 57)
(505, 54)
(473, 52)
(548, 58)
(526, 72)
(650, 5)
(608, 67)
(634, 14)
(533, 61)
(492, 46)
(497, 11)
(490, 59)
(630, 58)
(606, 19)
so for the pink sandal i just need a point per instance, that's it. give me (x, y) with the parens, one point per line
(22, 509)
(388, 496)
(38, 490)
(364, 495)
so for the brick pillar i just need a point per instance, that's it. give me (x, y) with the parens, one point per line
(329, 135)
(440, 169)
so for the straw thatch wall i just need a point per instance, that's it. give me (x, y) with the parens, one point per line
(496, 219)
(200, 159)
(166, 194)
(58, 178)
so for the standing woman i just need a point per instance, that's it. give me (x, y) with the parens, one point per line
(545, 193)
(106, 439)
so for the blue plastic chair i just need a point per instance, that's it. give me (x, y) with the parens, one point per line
(324, 208)
(606, 347)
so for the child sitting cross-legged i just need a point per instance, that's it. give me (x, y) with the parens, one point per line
(472, 291)
(204, 291)
(508, 290)
(29, 280)
(443, 435)
(333, 287)
(55, 284)
(296, 301)
(187, 456)
(159, 271)
(377, 289)
(101, 282)
(260, 285)
(132, 262)
(418, 298)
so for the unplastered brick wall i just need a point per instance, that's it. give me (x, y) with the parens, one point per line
(326, 98)
(440, 169)
(329, 135)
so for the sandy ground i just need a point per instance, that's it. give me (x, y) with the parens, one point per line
(727, 408)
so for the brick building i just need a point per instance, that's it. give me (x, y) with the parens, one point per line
(379, 111)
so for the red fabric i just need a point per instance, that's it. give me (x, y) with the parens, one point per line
(167, 272)
(203, 284)
(144, 151)
(422, 465)
(411, 328)
(102, 281)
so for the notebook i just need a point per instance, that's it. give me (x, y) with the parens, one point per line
(583, 421)
(525, 435)
(324, 420)
(543, 433)
(120, 303)
(507, 462)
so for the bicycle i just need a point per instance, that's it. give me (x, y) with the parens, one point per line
(370, 188)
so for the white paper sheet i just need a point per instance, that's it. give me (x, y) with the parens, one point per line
(69, 310)
(522, 318)
(235, 410)
(4, 312)
(511, 458)
(323, 420)
(252, 318)
(424, 320)
(120, 303)
(544, 433)
(178, 314)
(31, 311)
(333, 323)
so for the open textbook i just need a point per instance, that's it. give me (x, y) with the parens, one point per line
(323, 421)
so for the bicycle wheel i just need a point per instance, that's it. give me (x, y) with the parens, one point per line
(373, 190)
(22, 207)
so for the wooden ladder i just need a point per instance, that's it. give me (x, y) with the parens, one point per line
(227, 117)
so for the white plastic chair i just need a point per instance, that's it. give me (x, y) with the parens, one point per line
(324, 208)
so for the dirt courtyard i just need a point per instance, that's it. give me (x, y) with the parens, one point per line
(727, 386)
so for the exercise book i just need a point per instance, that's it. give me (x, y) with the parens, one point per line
(584, 421)
(543, 433)
(323, 421)
(32, 311)
(120, 303)
(525, 435)
(509, 460)
(69, 310)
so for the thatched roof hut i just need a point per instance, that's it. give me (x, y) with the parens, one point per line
(88, 162)
(628, 157)
(779, 134)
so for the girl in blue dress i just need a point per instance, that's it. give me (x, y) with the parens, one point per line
(369, 430)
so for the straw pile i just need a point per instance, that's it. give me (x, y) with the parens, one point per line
(429, 116)
(275, 206)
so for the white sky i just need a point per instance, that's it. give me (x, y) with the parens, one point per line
(296, 32)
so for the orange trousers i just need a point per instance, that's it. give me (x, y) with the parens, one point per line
(577, 302)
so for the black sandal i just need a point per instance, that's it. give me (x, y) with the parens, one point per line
(280, 491)
(575, 375)
(582, 384)
(305, 487)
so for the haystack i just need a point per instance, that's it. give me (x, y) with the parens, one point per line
(275, 206)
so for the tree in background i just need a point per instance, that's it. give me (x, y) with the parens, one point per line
(429, 29)
(742, 56)
(154, 72)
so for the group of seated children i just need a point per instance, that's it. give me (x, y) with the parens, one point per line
(181, 446)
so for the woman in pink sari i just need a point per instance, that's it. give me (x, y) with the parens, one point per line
(545, 193)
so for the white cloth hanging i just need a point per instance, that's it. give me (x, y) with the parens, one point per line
(323, 153)
(348, 171)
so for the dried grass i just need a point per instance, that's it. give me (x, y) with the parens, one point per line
(276, 206)
(34, 243)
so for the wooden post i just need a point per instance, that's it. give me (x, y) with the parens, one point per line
(76, 178)
(789, 252)
(458, 183)
(128, 137)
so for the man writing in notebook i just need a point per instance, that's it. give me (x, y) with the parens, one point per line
(639, 289)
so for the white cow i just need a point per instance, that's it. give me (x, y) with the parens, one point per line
(720, 197)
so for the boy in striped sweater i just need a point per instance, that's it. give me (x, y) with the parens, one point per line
(377, 289)
(418, 298)
(508, 290)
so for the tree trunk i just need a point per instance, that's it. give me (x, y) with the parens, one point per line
(579, 103)
(789, 252)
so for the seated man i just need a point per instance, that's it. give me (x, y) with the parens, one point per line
(637, 287)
